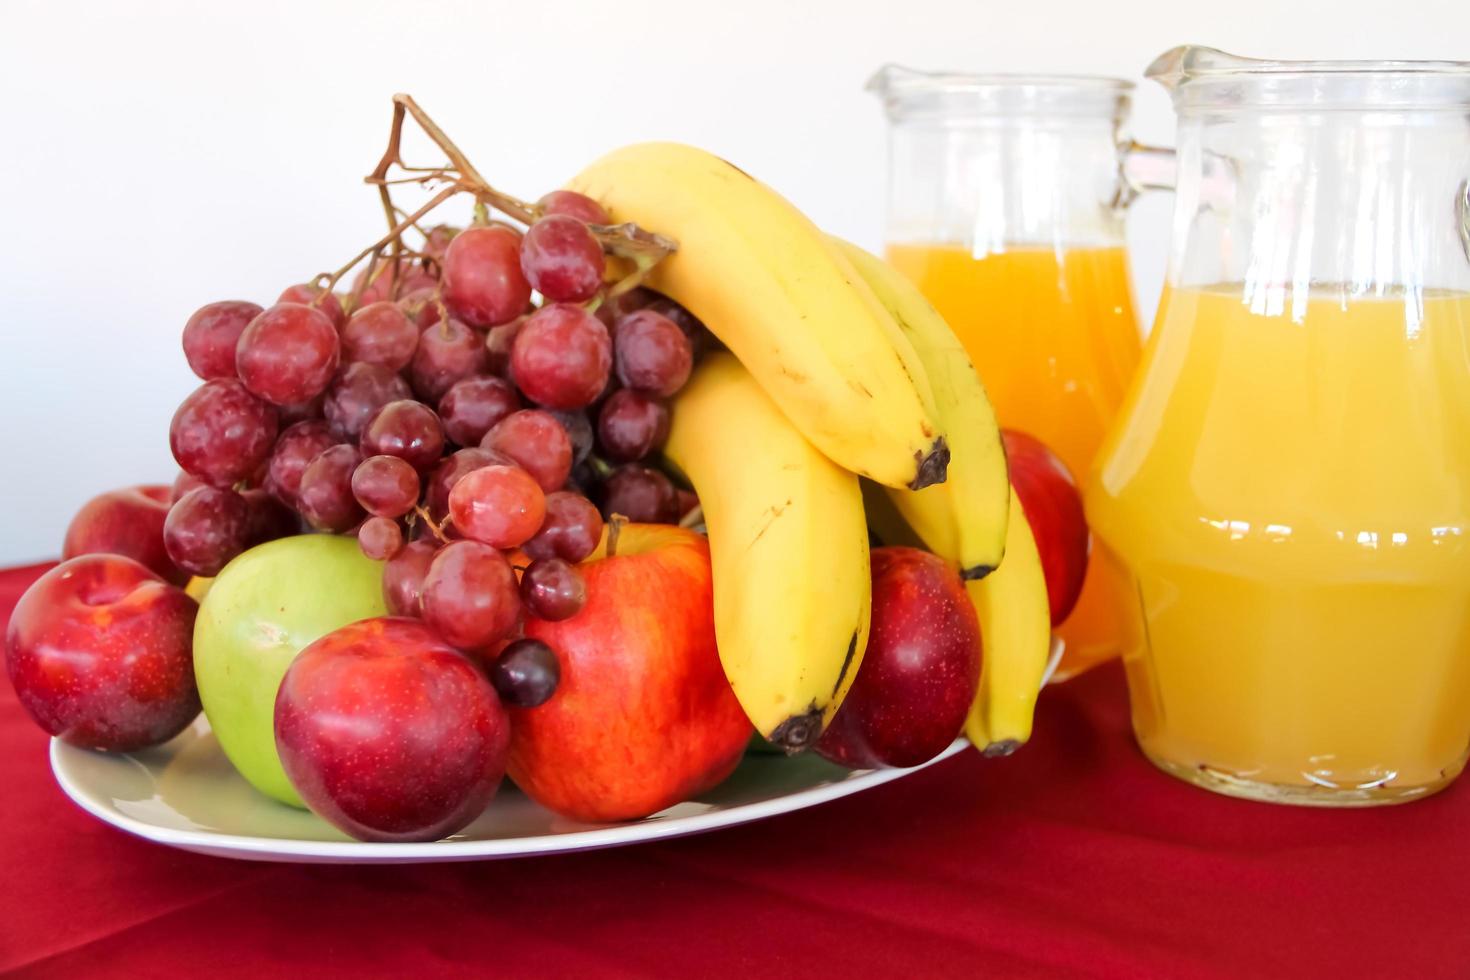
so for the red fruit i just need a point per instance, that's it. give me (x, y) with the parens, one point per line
(288, 354)
(537, 442)
(653, 355)
(357, 393)
(380, 333)
(632, 425)
(211, 334)
(575, 205)
(562, 260)
(919, 674)
(127, 522)
(499, 505)
(450, 469)
(305, 293)
(470, 595)
(380, 286)
(183, 483)
(425, 749)
(571, 530)
(641, 494)
(1053, 507)
(482, 280)
(473, 405)
(562, 356)
(448, 352)
(643, 716)
(295, 449)
(325, 497)
(407, 429)
(99, 650)
(403, 576)
(221, 433)
(386, 486)
(269, 519)
(380, 538)
(206, 528)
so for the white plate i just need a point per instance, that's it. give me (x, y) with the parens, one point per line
(186, 794)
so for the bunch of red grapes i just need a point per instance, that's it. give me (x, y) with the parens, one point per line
(446, 419)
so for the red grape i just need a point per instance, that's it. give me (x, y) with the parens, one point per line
(448, 472)
(538, 444)
(482, 280)
(448, 352)
(288, 354)
(221, 433)
(553, 590)
(380, 538)
(380, 286)
(407, 429)
(380, 333)
(526, 673)
(438, 239)
(183, 483)
(357, 393)
(640, 494)
(386, 486)
(305, 294)
(470, 596)
(631, 425)
(211, 334)
(473, 405)
(571, 530)
(205, 529)
(652, 354)
(295, 449)
(301, 411)
(269, 518)
(562, 356)
(579, 430)
(325, 497)
(562, 259)
(575, 205)
(499, 505)
(498, 342)
(403, 576)
(420, 307)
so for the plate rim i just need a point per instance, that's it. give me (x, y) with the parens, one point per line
(246, 847)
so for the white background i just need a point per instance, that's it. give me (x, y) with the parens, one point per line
(156, 156)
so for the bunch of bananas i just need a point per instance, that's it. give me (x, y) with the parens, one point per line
(844, 402)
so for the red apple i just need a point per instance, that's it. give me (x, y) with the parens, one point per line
(99, 650)
(919, 674)
(126, 522)
(1053, 507)
(642, 717)
(390, 734)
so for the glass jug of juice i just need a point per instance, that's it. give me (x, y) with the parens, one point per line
(1005, 206)
(1288, 484)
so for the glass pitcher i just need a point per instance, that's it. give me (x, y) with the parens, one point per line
(1288, 483)
(1005, 206)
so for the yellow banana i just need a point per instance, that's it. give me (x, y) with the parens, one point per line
(788, 548)
(973, 519)
(964, 518)
(1015, 629)
(782, 297)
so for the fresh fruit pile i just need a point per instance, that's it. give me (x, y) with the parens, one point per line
(509, 418)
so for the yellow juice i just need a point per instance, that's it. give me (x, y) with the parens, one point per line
(1054, 337)
(1289, 490)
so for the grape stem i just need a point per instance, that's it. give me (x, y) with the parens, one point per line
(436, 529)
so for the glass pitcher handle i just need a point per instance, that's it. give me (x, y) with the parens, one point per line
(1462, 210)
(1143, 168)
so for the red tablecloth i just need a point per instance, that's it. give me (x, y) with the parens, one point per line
(1072, 858)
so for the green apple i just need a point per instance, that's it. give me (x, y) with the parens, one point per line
(259, 612)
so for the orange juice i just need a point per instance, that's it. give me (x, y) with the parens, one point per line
(1289, 490)
(1053, 335)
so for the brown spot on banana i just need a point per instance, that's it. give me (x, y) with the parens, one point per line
(846, 663)
(799, 732)
(932, 468)
(976, 572)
